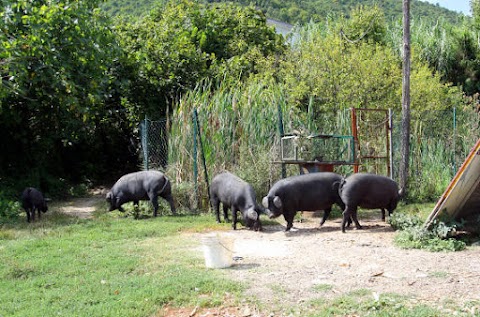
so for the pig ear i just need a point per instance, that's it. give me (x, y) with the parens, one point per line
(336, 186)
(109, 196)
(265, 202)
(277, 202)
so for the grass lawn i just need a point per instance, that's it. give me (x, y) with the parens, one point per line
(109, 266)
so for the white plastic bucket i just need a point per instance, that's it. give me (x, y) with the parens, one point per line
(218, 251)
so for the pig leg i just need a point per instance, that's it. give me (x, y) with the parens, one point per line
(225, 213)
(169, 198)
(216, 208)
(39, 213)
(119, 203)
(289, 220)
(234, 217)
(153, 196)
(326, 213)
(383, 214)
(29, 217)
(347, 213)
(154, 200)
(349, 222)
(355, 220)
(167, 195)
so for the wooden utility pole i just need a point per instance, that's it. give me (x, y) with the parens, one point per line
(405, 144)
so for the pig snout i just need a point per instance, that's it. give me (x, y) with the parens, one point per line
(252, 214)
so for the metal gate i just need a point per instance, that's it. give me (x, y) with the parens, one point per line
(372, 132)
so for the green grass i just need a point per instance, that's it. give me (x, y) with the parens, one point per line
(112, 266)
(364, 302)
(321, 288)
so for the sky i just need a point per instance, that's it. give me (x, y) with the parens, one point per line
(462, 6)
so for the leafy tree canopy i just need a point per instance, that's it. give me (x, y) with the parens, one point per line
(335, 72)
(56, 66)
(295, 11)
(175, 47)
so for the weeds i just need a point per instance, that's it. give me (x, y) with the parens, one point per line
(9, 209)
(414, 235)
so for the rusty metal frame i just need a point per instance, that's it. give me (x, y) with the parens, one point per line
(357, 135)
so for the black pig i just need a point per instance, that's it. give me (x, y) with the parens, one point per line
(32, 199)
(308, 192)
(144, 185)
(368, 191)
(233, 192)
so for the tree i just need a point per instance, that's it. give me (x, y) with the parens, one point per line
(175, 47)
(366, 24)
(405, 144)
(475, 8)
(57, 58)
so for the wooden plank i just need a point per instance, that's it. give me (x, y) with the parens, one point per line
(460, 189)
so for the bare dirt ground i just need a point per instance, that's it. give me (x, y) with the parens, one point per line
(357, 259)
(85, 206)
(288, 269)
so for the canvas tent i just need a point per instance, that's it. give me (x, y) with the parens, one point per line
(461, 199)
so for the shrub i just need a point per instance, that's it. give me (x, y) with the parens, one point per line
(184, 196)
(402, 221)
(414, 235)
(9, 209)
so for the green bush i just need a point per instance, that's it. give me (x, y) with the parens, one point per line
(414, 235)
(79, 190)
(402, 221)
(9, 209)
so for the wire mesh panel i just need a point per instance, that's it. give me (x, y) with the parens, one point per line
(154, 136)
(321, 148)
(372, 134)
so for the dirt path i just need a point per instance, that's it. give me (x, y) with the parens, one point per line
(83, 207)
(297, 263)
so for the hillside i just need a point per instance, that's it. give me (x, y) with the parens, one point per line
(301, 11)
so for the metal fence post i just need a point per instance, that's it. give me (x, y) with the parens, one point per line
(144, 128)
(202, 152)
(282, 134)
(195, 167)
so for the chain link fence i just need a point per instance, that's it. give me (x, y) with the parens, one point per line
(154, 141)
(199, 147)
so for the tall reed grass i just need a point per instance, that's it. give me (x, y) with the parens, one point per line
(239, 131)
(239, 127)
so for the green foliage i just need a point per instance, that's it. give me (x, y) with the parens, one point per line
(328, 69)
(364, 24)
(414, 235)
(294, 11)
(449, 49)
(9, 209)
(184, 193)
(403, 221)
(57, 74)
(191, 42)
